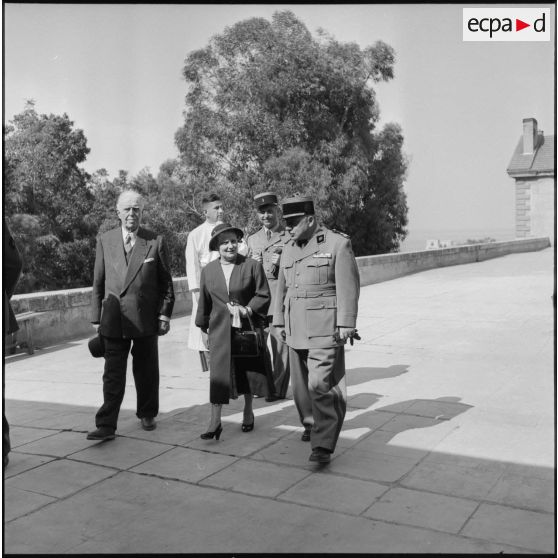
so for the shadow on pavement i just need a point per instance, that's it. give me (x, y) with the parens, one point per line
(22, 354)
(59, 485)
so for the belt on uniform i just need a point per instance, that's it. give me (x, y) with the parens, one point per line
(302, 293)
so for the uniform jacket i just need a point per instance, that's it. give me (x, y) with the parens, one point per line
(258, 243)
(248, 287)
(317, 290)
(128, 300)
(11, 270)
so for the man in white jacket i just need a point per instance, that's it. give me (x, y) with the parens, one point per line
(198, 255)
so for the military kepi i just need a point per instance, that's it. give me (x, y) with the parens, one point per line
(266, 198)
(299, 205)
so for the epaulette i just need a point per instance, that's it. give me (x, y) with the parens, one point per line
(341, 233)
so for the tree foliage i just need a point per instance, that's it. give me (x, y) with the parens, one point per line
(269, 106)
(47, 197)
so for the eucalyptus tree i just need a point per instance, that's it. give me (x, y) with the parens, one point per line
(270, 106)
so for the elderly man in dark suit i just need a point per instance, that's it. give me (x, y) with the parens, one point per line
(132, 303)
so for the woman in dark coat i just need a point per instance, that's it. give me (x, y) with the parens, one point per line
(231, 288)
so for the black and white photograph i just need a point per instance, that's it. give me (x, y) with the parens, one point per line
(279, 278)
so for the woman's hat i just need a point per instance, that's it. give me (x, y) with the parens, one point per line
(97, 346)
(223, 227)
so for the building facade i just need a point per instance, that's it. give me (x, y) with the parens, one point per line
(533, 168)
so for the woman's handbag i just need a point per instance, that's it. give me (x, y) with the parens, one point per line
(246, 342)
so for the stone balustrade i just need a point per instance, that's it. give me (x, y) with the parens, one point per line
(65, 315)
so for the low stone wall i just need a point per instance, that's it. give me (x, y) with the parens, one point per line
(375, 269)
(65, 315)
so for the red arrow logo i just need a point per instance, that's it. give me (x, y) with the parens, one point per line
(519, 25)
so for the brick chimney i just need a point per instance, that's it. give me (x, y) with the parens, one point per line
(530, 134)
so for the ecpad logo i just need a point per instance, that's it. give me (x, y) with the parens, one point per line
(506, 24)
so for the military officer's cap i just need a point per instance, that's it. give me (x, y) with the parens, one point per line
(297, 206)
(266, 198)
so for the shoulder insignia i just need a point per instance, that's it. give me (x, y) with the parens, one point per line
(341, 233)
(320, 238)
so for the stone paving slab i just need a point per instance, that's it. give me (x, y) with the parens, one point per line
(78, 421)
(513, 526)
(374, 466)
(334, 493)
(124, 454)
(385, 443)
(25, 413)
(523, 491)
(59, 478)
(422, 509)
(20, 435)
(468, 481)
(185, 464)
(20, 462)
(22, 502)
(60, 444)
(257, 478)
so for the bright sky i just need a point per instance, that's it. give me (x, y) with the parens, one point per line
(116, 71)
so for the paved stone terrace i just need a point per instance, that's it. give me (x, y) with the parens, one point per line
(447, 447)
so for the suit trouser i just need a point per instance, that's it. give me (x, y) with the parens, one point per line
(145, 367)
(320, 392)
(280, 361)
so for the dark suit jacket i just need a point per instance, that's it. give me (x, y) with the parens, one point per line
(128, 300)
(248, 287)
(11, 270)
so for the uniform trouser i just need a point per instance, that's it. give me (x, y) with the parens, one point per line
(145, 367)
(320, 392)
(280, 361)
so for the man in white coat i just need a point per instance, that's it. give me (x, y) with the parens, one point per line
(198, 255)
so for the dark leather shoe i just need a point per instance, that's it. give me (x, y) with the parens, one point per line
(148, 423)
(102, 433)
(306, 435)
(321, 455)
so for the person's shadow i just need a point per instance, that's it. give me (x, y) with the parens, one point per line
(368, 427)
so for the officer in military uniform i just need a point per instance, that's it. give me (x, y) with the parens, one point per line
(266, 246)
(316, 302)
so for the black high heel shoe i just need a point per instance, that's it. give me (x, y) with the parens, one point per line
(210, 435)
(248, 427)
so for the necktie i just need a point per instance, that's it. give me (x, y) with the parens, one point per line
(128, 245)
(268, 234)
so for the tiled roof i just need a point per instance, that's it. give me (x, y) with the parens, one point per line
(542, 161)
